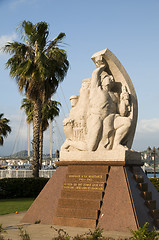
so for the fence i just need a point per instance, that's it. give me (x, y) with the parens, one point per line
(25, 173)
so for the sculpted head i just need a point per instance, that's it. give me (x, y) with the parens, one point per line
(107, 81)
(74, 100)
(99, 60)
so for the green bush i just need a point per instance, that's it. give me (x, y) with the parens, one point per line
(21, 187)
(140, 234)
(155, 182)
(145, 234)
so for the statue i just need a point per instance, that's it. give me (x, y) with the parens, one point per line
(108, 110)
(104, 115)
(75, 125)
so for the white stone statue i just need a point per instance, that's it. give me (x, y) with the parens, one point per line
(103, 117)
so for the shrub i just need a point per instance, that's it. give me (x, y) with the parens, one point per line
(21, 187)
(24, 235)
(155, 182)
(144, 234)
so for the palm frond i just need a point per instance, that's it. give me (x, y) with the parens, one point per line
(55, 43)
(4, 128)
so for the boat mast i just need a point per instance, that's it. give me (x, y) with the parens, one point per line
(28, 134)
(51, 128)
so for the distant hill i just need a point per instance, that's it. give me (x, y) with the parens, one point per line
(24, 154)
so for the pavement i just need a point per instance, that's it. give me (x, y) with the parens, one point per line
(11, 224)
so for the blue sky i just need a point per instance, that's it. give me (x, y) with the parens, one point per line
(130, 29)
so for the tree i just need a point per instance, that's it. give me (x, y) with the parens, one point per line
(49, 111)
(4, 128)
(38, 66)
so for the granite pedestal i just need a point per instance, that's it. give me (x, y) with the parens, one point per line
(113, 195)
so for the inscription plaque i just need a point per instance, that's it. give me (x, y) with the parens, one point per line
(84, 186)
(85, 182)
(86, 177)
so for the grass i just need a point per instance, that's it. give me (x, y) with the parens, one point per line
(12, 205)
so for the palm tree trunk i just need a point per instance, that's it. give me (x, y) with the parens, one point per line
(36, 131)
(41, 146)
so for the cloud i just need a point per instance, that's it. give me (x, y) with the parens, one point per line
(148, 126)
(147, 134)
(6, 38)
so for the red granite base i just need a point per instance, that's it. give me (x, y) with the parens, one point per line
(44, 206)
(117, 211)
(91, 195)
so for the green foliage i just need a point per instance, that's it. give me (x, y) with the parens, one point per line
(38, 66)
(50, 109)
(91, 235)
(24, 235)
(144, 234)
(62, 235)
(140, 234)
(95, 235)
(1, 231)
(37, 221)
(4, 128)
(21, 187)
(155, 182)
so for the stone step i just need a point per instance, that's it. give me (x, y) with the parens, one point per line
(81, 194)
(157, 222)
(143, 186)
(146, 195)
(139, 178)
(86, 178)
(155, 213)
(74, 222)
(151, 204)
(79, 203)
(85, 186)
(89, 169)
(77, 213)
(136, 170)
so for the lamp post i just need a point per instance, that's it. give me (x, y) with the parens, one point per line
(154, 163)
(153, 153)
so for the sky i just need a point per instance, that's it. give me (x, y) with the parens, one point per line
(130, 29)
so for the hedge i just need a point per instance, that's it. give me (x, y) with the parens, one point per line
(155, 182)
(31, 187)
(21, 187)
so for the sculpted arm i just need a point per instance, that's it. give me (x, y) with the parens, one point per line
(95, 81)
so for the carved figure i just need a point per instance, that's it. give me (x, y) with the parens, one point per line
(101, 116)
(75, 124)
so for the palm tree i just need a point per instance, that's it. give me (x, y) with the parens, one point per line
(38, 66)
(4, 128)
(49, 111)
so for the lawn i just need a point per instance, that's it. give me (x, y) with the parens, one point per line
(12, 205)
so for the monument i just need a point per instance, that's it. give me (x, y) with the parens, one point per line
(99, 181)
(103, 118)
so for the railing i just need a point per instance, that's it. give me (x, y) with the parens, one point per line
(25, 173)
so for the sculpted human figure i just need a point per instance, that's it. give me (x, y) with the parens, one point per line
(68, 123)
(77, 119)
(117, 123)
(100, 117)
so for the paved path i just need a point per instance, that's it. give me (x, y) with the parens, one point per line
(11, 223)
